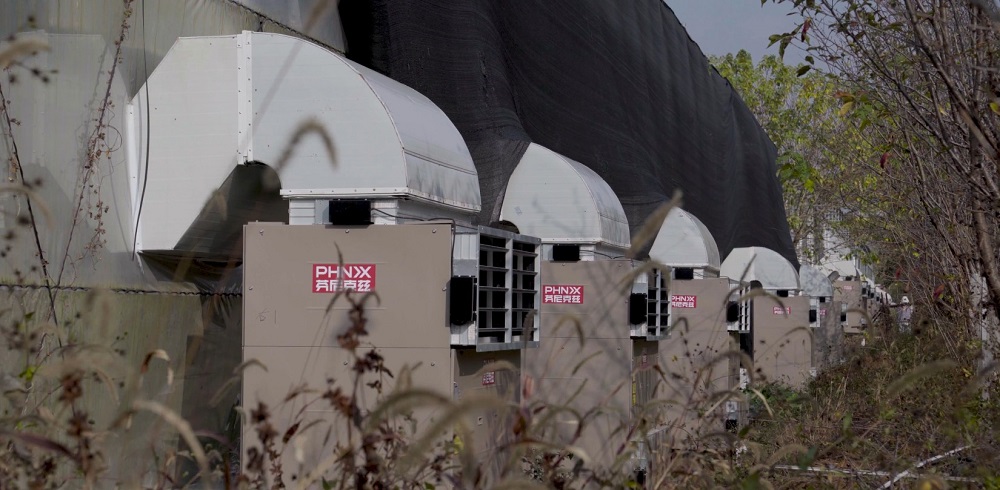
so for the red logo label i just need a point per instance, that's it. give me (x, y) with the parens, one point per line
(822, 312)
(329, 278)
(683, 301)
(489, 377)
(782, 311)
(562, 294)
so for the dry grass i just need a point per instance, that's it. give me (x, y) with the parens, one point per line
(898, 401)
(895, 403)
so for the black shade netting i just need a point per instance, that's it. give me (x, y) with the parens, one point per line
(618, 86)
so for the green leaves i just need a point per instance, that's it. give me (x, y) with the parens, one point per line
(846, 108)
(794, 169)
(811, 122)
(28, 374)
(782, 40)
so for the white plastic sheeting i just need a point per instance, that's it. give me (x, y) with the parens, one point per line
(760, 264)
(215, 102)
(561, 200)
(55, 121)
(84, 227)
(684, 241)
(84, 214)
(154, 25)
(815, 283)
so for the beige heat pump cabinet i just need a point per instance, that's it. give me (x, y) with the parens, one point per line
(596, 357)
(780, 340)
(708, 319)
(385, 208)
(449, 327)
(824, 318)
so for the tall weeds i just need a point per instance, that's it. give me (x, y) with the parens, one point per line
(69, 410)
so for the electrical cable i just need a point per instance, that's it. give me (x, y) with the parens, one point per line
(454, 226)
(415, 218)
(145, 176)
(595, 252)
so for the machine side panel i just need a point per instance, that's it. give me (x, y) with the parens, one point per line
(289, 330)
(698, 336)
(646, 382)
(782, 340)
(828, 339)
(407, 266)
(490, 428)
(291, 367)
(599, 365)
(848, 293)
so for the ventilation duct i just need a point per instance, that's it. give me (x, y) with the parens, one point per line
(330, 128)
(562, 201)
(773, 271)
(684, 241)
(815, 283)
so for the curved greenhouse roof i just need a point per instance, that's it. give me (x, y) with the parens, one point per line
(559, 199)
(763, 265)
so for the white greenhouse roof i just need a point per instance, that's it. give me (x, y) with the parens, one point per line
(684, 241)
(216, 102)
(814, 282)
(561, 200)
(760, 264)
